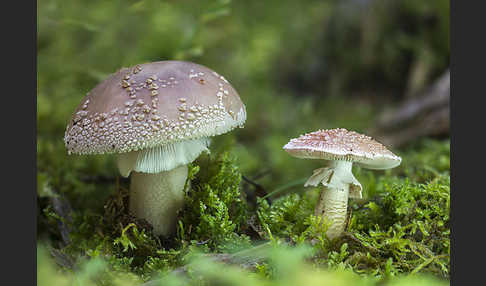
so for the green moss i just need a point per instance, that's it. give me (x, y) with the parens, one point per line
(211, 221)
(124, 242)
(286, 266)
(409, 223)
(400, 227)
(290, 216)
(214, 208)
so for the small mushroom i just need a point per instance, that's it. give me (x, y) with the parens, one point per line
(342, 148)
(155, 135)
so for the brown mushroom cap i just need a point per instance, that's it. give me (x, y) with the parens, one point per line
(153, 104)
(341, 144)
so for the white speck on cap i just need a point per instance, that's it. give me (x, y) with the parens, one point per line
(341, 144)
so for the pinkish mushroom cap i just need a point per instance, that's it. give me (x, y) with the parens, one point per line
(153, 104)
(341, 144)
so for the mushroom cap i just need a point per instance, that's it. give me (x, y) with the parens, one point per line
(341, 144)
(153, 104)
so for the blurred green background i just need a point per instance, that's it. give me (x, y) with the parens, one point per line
(298, 66)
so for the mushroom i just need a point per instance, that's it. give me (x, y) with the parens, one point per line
(342, 148)
(157, 117)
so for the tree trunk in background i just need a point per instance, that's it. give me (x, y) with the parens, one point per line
(426, 114)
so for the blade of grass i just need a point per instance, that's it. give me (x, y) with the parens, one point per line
(285, 187)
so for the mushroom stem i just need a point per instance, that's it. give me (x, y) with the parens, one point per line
(333, 200)
(332, 206)
(157, 198)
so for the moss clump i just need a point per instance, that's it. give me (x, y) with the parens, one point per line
(214, 208)
(404, 229)
(289, 216)
(211, 221)
(409, 224)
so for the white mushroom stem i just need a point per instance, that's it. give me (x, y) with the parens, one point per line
(157, 198)
(337, 179)
(157, 182)
(332, 206)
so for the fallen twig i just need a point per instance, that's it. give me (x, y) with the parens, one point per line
(426, 114)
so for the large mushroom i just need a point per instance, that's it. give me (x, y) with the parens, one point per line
(157, 117)
(342, 148)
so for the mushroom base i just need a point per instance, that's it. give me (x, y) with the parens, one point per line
(158, 197)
